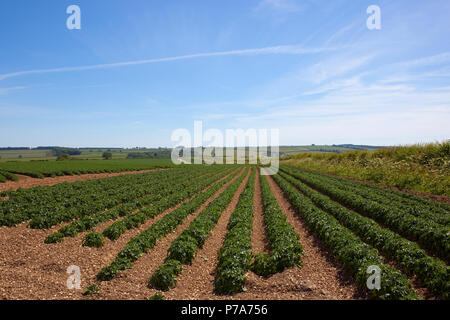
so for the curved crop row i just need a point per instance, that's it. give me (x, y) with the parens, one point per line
(423, 210)
(184, 248)
(355, 255)
(434, 273)
(41, 169)
(236, 252)
(7, 176)
(161, 189)
(165, 201)
(429, 234)
(147, 239)
(285, 247)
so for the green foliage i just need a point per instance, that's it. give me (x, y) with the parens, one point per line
(236, 251)
(107, 155)
(54, 238)
(157, 296)
(92, 289)
(355, 255)
(263, 265)
(147, 239)
(434, 273)
(165, 277)
(50, 205)
(39, 169)
(285, 247)
(183, 249)
(5, 175)
(424, 168)
(62, 157)
(189, 241)
(94, 239)
(431, 235)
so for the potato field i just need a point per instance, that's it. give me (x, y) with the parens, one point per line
(220, 232)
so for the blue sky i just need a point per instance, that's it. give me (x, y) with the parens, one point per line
(137, 70)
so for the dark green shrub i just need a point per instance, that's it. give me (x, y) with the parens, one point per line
(54, 238)
(263, 265)
(94, 239)
(92, 289)
(165, 277)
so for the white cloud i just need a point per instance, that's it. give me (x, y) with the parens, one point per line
(284, 49)
(7, 90)
(283, 5)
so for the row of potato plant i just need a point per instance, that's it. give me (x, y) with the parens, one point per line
(165, 201)
(184, 248)
(434, 273)
(236, 253)
(422, 209)
(285, 248)
(49, 205)
(161, 189)
(148, 238)
(355, 255)
(429, 234)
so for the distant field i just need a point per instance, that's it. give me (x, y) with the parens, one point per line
(40, 169)
(292, 150)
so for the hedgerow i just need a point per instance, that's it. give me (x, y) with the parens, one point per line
(355, 255)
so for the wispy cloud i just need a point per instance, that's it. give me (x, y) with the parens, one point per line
(283, 5)
(437, 59)
(284, 49)
(7, 90)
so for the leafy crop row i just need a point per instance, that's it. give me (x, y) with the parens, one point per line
(165, 201)
(184, 248)
(236, 252)
(434, 273)
(41, 169)
(429, 234)
(160, 189)
(5, 175)
(147, 239)
(285, 247)
(354, 254)
(414, 205)
(50, 205)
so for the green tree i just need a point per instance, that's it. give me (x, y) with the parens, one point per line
(107, 155)
(62, 157)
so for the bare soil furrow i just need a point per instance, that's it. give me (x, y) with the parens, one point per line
(259, 239)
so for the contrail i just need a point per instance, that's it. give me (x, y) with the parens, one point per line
(257, 51)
